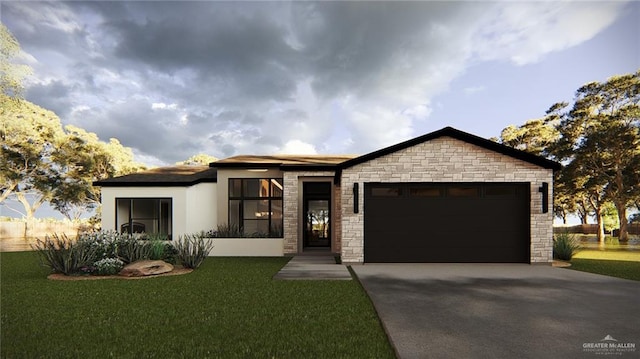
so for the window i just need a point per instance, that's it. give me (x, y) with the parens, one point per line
(499, 191)
(255, 205)
(462, 191)
(386, 192)
(144, 215)
(426, 191)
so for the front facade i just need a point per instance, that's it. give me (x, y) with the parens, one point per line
(447, 196)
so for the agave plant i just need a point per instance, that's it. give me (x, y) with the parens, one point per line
(64, 255)
(192, 249)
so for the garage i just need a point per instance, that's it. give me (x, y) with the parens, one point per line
(447, 222)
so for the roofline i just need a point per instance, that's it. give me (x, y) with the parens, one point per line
(102, 183)
(323, 167)
(281, 166)
(459, 135)
(245, 165)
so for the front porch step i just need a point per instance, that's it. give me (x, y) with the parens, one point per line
(313, 268)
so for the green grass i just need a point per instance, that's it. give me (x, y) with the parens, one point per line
(228, 308)
(632, 256)
(621, 264)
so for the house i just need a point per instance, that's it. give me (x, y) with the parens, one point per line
(447, 196)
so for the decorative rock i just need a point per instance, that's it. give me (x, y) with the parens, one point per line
(145, 268)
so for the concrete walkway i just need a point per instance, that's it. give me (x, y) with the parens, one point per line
(313, 268)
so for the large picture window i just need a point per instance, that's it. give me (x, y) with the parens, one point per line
(255, 205)
(144, 215)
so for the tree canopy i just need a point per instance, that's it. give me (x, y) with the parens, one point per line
(40, 161)
(597, 137)
(12, 74)
(199, 159)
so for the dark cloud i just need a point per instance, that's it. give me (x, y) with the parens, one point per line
(54, 96)
(247, 55)
(174, 78)
(352, 45)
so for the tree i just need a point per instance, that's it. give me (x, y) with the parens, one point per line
(601, 133)
(42, 162)
(11, 73)
(84, 159)
(597, 138)
(535, 136)
(199, 159)
(29, 137)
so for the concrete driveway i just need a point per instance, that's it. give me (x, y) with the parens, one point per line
(503, 311)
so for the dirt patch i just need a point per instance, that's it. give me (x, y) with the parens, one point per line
(175, 271)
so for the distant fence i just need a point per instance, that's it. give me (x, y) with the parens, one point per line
(16, 229)
(633, 228)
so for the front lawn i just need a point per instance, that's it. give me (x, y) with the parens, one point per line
(228, 308)
(621, 264)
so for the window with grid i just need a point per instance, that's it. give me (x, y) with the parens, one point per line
(255, 205)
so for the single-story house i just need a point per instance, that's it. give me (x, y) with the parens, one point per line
(447, 196)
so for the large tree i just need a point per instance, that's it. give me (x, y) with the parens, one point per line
(12, 73)
(534, 136)
(39, 160)
(597, 138)
(83, 159)
(29, 135)
(601, 134)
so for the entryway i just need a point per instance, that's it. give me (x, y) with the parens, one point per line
(317, 215)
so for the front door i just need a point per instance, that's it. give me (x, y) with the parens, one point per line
(317, 209)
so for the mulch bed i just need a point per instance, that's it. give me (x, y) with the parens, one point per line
(59, 276)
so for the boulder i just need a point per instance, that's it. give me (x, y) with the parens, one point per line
(145, 268)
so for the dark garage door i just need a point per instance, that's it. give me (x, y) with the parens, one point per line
(446, 222)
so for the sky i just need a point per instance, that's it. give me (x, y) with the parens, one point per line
(173, 79)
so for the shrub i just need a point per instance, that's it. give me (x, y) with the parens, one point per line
(154, 237)
(156, 249)
(226, 231)
(131, 249)
(235, 231)
(108, 266)
(565, 246)
(105, 244)
(170, 253)
(63, 255)
(192, 249)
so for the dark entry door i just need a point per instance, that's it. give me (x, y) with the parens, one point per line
(447, 222)
(317, 209)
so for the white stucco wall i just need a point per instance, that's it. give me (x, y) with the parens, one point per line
(201, 207)
(445, 159)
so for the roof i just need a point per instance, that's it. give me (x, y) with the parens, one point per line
(462, 136)
(284, 162)
(190, 175)
(173, 176)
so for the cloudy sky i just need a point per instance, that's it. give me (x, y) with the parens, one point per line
(172, 79)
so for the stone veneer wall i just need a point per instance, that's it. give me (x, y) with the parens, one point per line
(336, 224)
(292, 200)
(445, 159)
